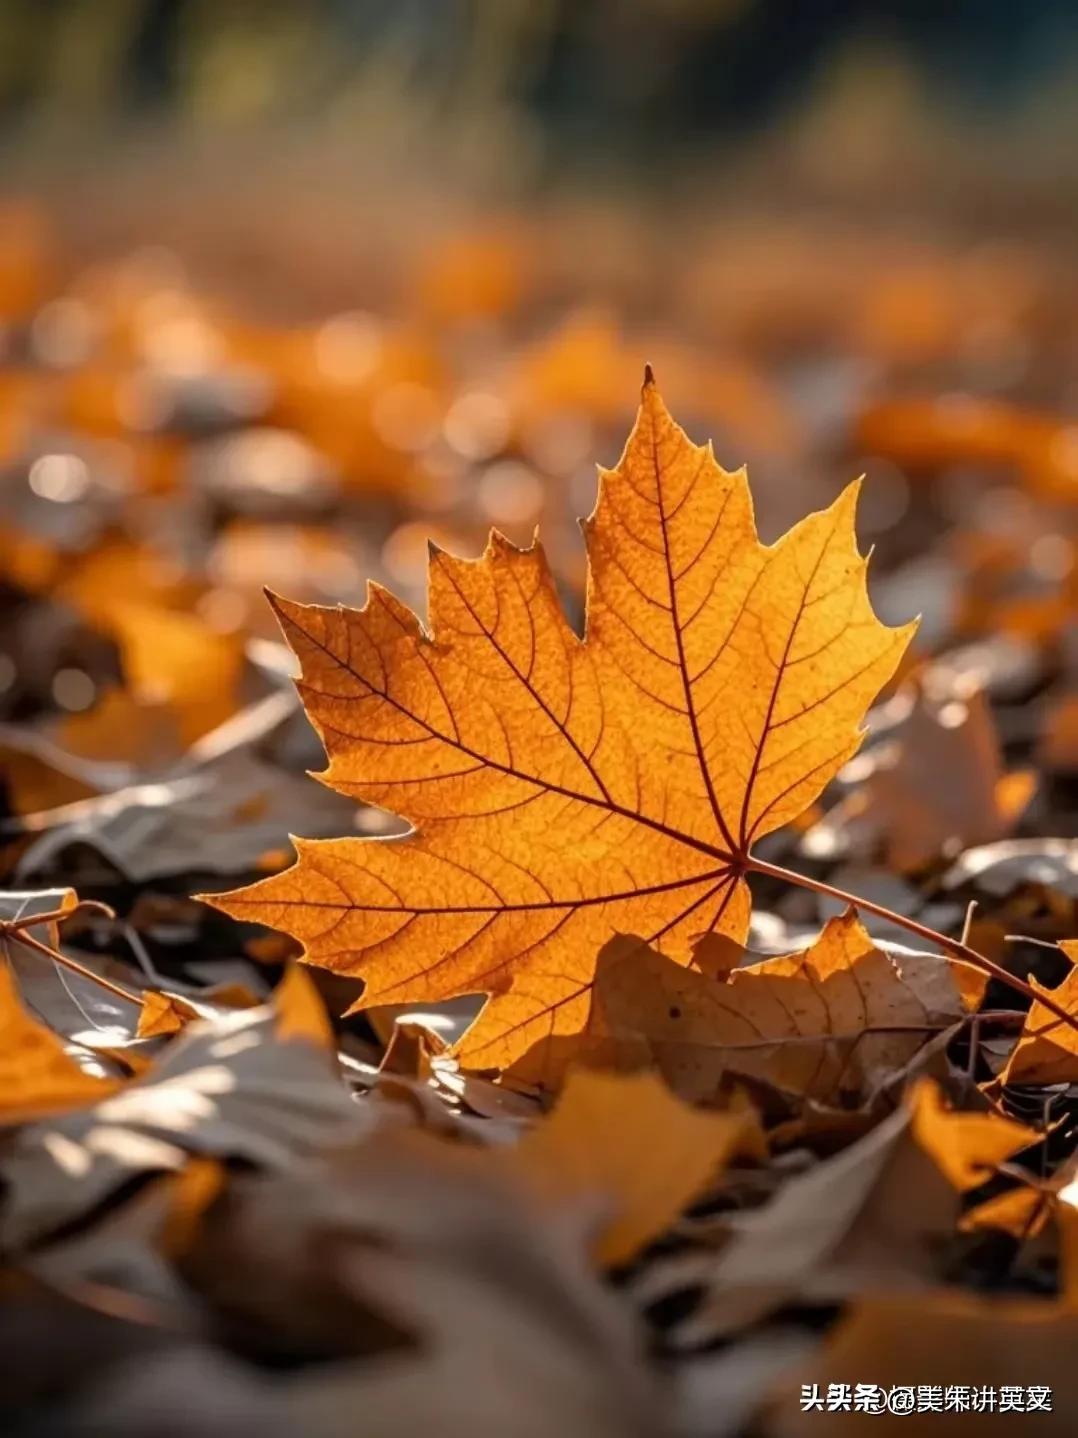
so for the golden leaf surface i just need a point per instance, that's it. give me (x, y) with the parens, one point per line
(565, 789)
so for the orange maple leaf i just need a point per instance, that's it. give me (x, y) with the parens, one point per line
(566, 789)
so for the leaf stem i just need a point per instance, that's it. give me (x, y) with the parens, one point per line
(54, 916)
(954, 948)
(128, 996)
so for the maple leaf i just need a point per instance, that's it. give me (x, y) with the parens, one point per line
(837, 1018)
(565, 789)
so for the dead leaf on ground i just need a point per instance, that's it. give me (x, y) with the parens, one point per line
(875, 1216)
(831, 1023)
(257, 1084)
(627, 1142)
(1047, 1049)
(948, 786)
(565, 789)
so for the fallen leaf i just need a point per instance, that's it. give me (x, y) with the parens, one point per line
(563, 790)
(831, 1022)
(1047, 1048)
(301, 1014)
(44, 1066)
(127, 1252)
(947, 786)
(442, 1304)
(163, 1014)
(625, 1139)
(173, 658)
(873, 1216)
(1001, 868)
(256, 1084)
(38, 1074)
(412, 1046)
(966, 1147)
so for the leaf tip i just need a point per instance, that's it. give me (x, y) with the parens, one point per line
(649, 379)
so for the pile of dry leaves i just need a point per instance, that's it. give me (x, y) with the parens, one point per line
(703, 1065)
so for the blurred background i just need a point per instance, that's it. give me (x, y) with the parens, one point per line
(288, 288)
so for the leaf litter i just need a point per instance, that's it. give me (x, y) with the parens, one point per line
(665, 1039)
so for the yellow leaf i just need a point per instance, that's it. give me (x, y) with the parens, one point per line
(626, 1138)
(1047, 1048)
(301, 1014)
(163, 1014)
(190, 1193)
(300, 1011)
(563, 790)
(174, 659)
(966, 1147)
(829, 1022)
(37, 1074)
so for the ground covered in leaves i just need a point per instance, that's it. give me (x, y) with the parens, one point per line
(672, 1054)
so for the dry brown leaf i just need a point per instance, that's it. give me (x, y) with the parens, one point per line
(873, 1216)
(411, 1047)
(1047, 1048)
(625, 1139)
(300, 1012)
(833, 1021)
(564, 790)
(445, 1303)
(261, 1084)
(948, 786)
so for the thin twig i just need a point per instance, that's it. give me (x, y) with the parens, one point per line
(128, 996)
(971, 909)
